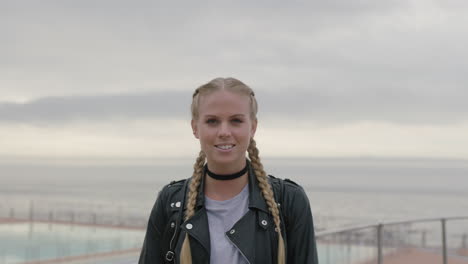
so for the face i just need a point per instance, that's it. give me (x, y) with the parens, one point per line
(224, 128)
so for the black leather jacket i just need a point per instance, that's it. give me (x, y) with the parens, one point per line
(254, 234)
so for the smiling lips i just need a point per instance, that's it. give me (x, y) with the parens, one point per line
(225, 146)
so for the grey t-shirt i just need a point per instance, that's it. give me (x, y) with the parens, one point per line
(222, 215)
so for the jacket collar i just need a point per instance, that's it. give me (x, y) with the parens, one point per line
(256, 200)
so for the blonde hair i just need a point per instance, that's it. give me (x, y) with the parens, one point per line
(229, 84)
(236, 86)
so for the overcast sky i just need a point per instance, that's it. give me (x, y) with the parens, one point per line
(333, 78)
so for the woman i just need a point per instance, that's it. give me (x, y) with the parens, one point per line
(229, 211)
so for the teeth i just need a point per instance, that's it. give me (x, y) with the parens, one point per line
(225, 146)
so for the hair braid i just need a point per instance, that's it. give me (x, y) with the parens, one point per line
(185, 253)
(267, 193)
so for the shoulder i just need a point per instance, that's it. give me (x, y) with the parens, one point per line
(165, 205)
(171, 189)
(167, 199)
(294, 203)
(176, 184)
(284, 185)
(169, 195)
(288, 192)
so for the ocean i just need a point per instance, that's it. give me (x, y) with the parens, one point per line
(342, 191)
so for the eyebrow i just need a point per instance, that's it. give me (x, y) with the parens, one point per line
(236, 115)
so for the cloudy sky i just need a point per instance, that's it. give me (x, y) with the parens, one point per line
(113, 79)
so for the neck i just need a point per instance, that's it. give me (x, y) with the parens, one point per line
(226, 177)
(224, 169)
(224, 190)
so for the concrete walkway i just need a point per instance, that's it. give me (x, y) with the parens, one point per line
(418, 256)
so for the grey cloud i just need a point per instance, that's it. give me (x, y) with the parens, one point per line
(404, 107)
(321, 106)
(341, 61)
(103, 107)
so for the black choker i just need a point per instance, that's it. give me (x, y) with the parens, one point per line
(225, 177)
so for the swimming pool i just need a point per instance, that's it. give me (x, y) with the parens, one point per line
(31, 241)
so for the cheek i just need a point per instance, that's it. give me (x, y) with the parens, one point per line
(243, 134)
(205, 135)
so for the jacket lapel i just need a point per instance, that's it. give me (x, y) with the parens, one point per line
(256, 199)
(197, 227)
(243, 233)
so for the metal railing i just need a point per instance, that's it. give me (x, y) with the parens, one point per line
(375, 243)
(97, 214)
(445, 238)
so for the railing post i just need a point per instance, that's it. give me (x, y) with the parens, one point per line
(463, 244)
(12, 213)
(444, 241)
(31, 210)
(119, 216)
(379, 244)
(423, 239)
(94, 219)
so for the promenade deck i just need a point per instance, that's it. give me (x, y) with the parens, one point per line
(418, 256)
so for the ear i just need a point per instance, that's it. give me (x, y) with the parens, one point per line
(194, 128)
(254, 127)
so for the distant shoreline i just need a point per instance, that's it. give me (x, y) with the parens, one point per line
(149, 161)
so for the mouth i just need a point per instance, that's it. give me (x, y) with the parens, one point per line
(225, 146)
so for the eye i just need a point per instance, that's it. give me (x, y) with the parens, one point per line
(237, 120)
(211, 121)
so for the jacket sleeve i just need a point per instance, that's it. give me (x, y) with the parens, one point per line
(151, 252)
(301, 245)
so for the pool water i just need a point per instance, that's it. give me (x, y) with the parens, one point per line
(345, 254)
(22, 242)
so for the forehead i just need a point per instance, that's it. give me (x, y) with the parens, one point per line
(224, 103)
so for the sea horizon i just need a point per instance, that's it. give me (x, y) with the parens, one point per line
(350, 190)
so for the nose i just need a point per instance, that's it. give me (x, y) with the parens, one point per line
(224, 130)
